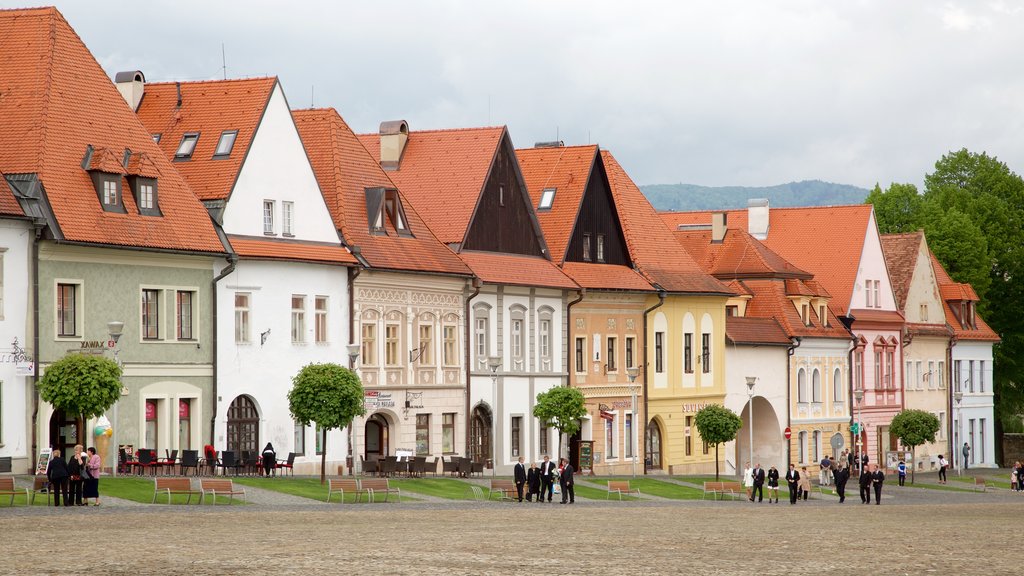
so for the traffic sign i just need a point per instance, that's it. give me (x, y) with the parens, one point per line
(788, 433)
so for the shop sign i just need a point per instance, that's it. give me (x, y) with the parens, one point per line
(373, 399)
(695, 407)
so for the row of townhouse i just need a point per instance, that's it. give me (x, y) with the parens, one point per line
(215, 241)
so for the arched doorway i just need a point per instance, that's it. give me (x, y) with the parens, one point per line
(65, 432)
(376, 439)
(770, 446)
(480, 434)
(243, 425)
(653, 460)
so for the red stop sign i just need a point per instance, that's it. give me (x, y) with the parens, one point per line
(788, 433)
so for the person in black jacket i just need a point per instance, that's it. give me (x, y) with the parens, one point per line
(773, 484)
(547, 477)
(842, 476)
(269, 459)
(793, 479)
(565, 482)
(57, 474)
(758, 477)
(533, 483)
(75, 466)
(520, 477)
(865, 485)
(877, 479)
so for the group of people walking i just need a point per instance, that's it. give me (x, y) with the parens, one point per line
(799, 481)
(76, 480)
(540, 481)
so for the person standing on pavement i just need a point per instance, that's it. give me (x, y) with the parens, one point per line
(825, 475)
(566, 482)
(943, 464)
(75, 466)
(758, 481)
(842, 476)
(92, 483)
(533, 483)
(547, 476)
(901, 470)
(773, 484)
(519, 473)
(966, 450)
(57, 475)
(793, 480)
(865, 486)
(805, 483)
(877, 479)
(748, 481)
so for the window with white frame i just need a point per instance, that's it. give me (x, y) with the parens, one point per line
(581, 354)
(659, 352)
(517, 335)
(688, 353)
(918, 380)
(368, 355)
(544, 346)
(801, 386)
(981, 376)
(942, 375)
(837, 385)
(909, 372)
(287, 218)
(299, 437)
(320, 319)
(150, 314)
(878, 293)
(628, 433)
(802, 447)
(609, 439)
(426, 344)
(225, 144)
(817, 446)
(481, 334)
(942, 425)
(816, 386)
(451, 345)
(391, 341)
(610, 360)
(298, 318)
(630, 349)
(68, 309)
(868, 285)
(147, 196)
(515, 435)
(705, 353)
(600, 247)
(186, 309)
(268, 216)
(242, 302)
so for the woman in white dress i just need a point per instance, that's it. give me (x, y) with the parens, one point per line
(748, 479)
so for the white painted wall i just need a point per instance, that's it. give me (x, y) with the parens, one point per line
(976, 405)
(768, 365)
(872, 267)
(15, 243)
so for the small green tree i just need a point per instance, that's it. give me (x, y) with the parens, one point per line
(913, 428)
(561, 407)
(329, 396)
(81, 384)
(716, 425)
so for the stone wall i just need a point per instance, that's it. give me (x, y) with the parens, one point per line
(1013, 448)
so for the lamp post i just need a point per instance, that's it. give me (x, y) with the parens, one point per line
(958, 396)
(751, 380)
(115, 329)
(858, 395)
(493, 364)
(632, 372)
(353, 355)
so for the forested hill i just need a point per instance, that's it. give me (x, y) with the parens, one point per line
(806, 193)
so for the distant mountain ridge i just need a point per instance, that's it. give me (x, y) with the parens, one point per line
(686, 197)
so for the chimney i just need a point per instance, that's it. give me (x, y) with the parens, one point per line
(757, 218)
(719, 226)
(131, 85)
(393, 136)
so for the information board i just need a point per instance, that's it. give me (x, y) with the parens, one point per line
(586, 456)
(44, 460)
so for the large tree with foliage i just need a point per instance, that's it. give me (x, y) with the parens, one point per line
(328, 395)
(84, 385)
(563, 408)
(914, 428)
(899, 209)
(717, 425)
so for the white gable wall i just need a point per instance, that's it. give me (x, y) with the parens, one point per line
(872, 267)
(15, 390)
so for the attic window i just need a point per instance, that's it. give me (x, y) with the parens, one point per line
(547, 198)
(145, 193)
(156, 138)
(187, 146)
(108, 190)
(225, 144)
(396, 215)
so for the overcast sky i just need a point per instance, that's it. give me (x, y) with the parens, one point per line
(714, 93)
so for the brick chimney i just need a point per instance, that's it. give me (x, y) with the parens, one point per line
(393, 136)
(757, 218)
(131, 85)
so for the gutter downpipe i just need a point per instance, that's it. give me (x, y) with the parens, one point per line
(950, 391)
(232, 261)
(661, 302)
(353, 273)
(571, 380)
(476, 283)
(39, 227)
(854, 343)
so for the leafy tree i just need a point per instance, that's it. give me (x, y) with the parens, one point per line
(898, 209)
(329, 396)
(962, 248)
(563, 408)
(716, 425)
(914, 428)
(81, 384)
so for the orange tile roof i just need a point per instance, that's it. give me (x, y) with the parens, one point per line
(606, 277)
(771, 301)
(209, 108)
(344, 169)
(746, 330)
(495, 268)
(8, 203)
(650, 243)
(55, 99)
(901, 252)
(262, 248)
(443, 164)
(826, 241)
(874, 315)
(958, 291)
(567, 169)
(738, 255)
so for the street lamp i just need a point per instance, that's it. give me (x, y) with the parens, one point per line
(353, 355)
(958, 396)
(858, 395)
(493, 364)
(751, 380)
(115, 329)
(632, 372)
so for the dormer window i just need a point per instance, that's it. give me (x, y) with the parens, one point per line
(110, 193)
(823, 314)
(187, 146)
(547, 198)
(805, 314)
(225, 144)
(108, 190)
(967, 315)
(145, 193)
(384, 208)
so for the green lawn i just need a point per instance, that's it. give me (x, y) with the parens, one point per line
(312, 489)
(447, 488)
(657, 488)
(140, 489)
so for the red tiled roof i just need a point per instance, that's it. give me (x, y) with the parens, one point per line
(55, 99)
(495, 268)
(941, 330)
(261, 248)
(442, 173)
(745, 330)
(826, 241)
(958, 291)
(771, 301)
(650, 243)
(901, 252)
(344, 169)
(738, 255)
(605, 276)
(209, 108)
(738, 287)
(8, 203)
(567, 170)
(873, 315)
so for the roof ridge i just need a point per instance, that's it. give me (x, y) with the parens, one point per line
(211, 81)
(437, 130)
(339, 199)
(45, 108)
(713, 211)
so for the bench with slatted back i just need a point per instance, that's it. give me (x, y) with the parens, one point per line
(171, 486)
(504, 488)
(979, 484)
(7, 488)
(621, 487)
(718, 490)
(376, 486)
(340, 486)
(220, 487)
(41, 485)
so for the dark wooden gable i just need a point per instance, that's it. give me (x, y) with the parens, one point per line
(597, 217)
(504, 220)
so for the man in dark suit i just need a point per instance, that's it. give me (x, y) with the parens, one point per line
(865, 485)
(758, 474)
(792, 479)
(547, 476)
(565, 482)
(842, 475)
(877, 479)
(520, 477)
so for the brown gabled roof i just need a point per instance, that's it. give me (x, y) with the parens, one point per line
(953, 291)
(757, 331)
(55, 101)
(901, 252)
(443, 164)
(209, 108)
(344, 170)
(516, 269)
(651, 244)
(291, 250)
(738, 255)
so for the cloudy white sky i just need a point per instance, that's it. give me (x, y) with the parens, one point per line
(713, 93)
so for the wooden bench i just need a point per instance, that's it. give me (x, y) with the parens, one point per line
(340, 486)
(620, 487)
(219, 487)
(41, 485)
(718, 490)
(506, 489)
(174, 486)
(980, 483)
(7, 488)
(375, 486)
